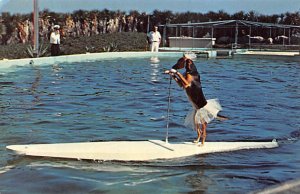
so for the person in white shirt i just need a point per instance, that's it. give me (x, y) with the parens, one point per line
(55, 41)
(154, 39)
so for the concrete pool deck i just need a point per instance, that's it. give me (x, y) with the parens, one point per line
(270, 53)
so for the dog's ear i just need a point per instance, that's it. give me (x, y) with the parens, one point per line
(180, 63)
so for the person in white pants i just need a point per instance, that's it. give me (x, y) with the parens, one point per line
(55, 41)
(154, 38)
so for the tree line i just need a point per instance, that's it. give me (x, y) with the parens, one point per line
(106, 21)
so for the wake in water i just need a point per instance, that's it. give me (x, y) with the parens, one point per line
(6, 169)
(292, 138)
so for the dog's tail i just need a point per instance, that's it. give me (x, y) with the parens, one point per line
(221, 117)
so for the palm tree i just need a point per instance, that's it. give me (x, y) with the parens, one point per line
(239, 16)
(252, 16)
(292, 18)
(222, 15)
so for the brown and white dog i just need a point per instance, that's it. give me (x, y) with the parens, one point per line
(204, 110)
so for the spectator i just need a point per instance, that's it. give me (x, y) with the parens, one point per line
(154, 39)
(55, 41)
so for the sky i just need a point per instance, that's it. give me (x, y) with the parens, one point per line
(267, 7)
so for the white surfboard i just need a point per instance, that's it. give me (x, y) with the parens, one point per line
(132, 150)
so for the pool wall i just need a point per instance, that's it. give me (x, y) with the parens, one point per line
(8, 64)
(5, 64)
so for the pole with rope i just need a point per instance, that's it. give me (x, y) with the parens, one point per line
(168, 112)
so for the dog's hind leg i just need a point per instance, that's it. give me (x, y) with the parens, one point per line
(204, 126)
(199, 132)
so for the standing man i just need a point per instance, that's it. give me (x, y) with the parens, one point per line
(55, 41)
(154, 38)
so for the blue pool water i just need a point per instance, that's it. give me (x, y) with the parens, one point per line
(127, 100)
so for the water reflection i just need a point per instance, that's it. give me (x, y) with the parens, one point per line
(155, 73)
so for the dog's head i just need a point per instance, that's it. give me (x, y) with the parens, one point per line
(187, 63)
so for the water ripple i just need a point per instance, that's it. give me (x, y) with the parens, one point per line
(127, 100)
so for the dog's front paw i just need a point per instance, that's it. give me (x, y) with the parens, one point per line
(173, 71)
(167, 72)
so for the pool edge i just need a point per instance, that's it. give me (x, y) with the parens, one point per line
(7, 63)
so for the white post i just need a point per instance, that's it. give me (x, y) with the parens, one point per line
(36, 28)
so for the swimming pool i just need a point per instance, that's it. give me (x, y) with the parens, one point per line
(126, 99)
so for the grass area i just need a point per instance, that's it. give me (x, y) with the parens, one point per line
(115, 42)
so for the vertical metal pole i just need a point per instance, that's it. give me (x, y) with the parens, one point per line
(193, 31)
(176, 42)
(289, 36)
(168, 113)
(148, 24)
(180, 30)
(164, 34)
(180, 38)
(212, 36)
(36, 27)
(250, 38)
(236, 34)
(283, 35)
(193, 36)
